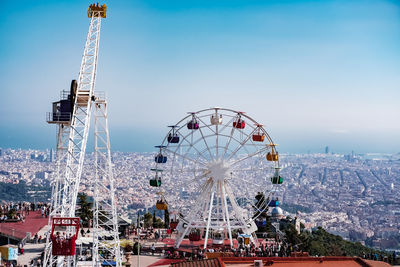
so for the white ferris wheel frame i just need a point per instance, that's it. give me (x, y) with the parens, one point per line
(216, 195)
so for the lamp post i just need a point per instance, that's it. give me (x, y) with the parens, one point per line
(138, 251)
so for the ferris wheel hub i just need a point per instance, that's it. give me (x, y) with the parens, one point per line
(218, 170)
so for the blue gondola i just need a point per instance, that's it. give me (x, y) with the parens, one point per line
(261, 223)
(172, 136)
(160, 158)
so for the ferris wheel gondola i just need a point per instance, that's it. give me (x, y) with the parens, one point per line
(224, 158)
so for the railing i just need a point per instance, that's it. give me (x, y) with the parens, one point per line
(64, 95)
(58, 117)
(101, 95)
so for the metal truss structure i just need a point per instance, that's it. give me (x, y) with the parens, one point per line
(105, 220)
(72, 136)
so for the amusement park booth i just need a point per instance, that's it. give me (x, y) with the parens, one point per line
(8, 253)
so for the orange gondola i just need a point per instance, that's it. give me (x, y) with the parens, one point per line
(272, 156)
(162, 203)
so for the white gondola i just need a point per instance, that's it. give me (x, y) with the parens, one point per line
(216, 119)
(218, 238)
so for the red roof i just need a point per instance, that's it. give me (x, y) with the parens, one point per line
(276, 261)
(303, 261)
(33, 223)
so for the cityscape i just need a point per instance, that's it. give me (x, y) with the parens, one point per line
(353, 196)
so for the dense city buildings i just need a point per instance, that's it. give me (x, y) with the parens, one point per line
(354, 196)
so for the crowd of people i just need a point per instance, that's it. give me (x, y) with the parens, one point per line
(265, 249)
(63, 244)
(272, 247)
(17, 211)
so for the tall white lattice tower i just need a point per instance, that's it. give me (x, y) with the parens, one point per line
(72, 114)
(105, 213)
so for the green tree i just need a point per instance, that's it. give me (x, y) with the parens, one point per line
(85, 210)
(148, 219)
(158, 223)
(166, 218)
(12, 213)
(154, 219)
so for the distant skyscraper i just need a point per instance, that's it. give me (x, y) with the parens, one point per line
(327, 150)
(51, 159)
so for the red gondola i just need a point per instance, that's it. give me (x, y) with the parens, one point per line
(258, 137)
(64, 244)
(173, 225)
(239, 124)
(194, 236)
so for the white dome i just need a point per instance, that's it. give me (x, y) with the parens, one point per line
(277, 211)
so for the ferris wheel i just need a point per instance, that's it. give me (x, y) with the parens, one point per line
(210, 166)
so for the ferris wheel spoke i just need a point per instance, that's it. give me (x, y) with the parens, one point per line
(184, 138)
(229, 141)
(205, 142)
(196, 179)
(241, 144)
(227, 124)
(206, 125)
(184, 157)
(198, 152)
(216, 141)
(192, 171)
(192, 145)
(249, 156)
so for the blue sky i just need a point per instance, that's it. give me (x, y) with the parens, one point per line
(316, 73)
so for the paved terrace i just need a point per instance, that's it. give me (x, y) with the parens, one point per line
(18, 230)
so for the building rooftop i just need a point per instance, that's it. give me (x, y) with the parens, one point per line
(18, 230)
(289, 261)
